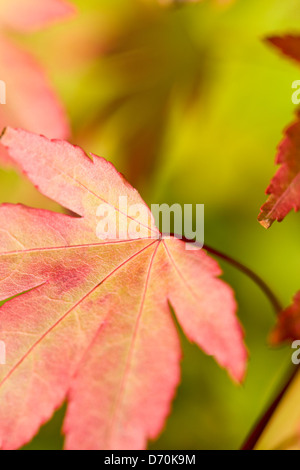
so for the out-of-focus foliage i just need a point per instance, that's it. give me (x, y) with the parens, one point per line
(190, 102)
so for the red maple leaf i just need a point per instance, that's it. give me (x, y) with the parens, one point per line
(93, 324)
(284, 189)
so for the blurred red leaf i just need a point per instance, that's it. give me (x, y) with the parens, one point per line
(288, 45)
(288, 324)
(28, 15)
(30, 102)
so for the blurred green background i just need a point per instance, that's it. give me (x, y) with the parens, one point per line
(189, 102)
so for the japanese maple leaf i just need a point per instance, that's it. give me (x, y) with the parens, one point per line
(30, 103)
(284, 189)
(288, 324)
(93, 324)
